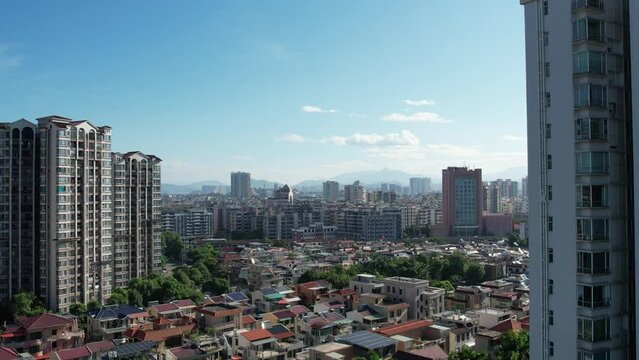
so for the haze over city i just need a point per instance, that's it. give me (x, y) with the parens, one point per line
(230, 85)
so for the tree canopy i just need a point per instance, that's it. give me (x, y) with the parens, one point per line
(467, 353)
(514, 345)
(172, 246)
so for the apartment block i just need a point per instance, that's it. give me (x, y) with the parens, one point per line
(583, 103)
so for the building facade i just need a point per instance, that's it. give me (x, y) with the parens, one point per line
(462, 201)
(240, 185)
(419, 186)
(581, 155)
(57, 211)
(330, 190)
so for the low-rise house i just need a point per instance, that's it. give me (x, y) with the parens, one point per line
(366, 283)
(466, 298)
(331, 351)
(504, 300)
(285, 318)
(499, 286)
(173, 310)
(163, 332)
(429, 352)
(330, 306)
(487, 341)
(312, 291)
(414, 329)
(219, 318)
(185, 353)
(424, 300)
(364, 342)
(111, 321)
(136, 350)
(90, 351)
(40, 335)
(259, 344)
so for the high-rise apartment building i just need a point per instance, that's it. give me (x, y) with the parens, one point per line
(355, 192)
(582, 149)
(331, 190)
(240, 185)
(136, 215)
(462, 191)
(419, 185)
(194, 223)
(56, 211)
(19, 174)
(524, 187)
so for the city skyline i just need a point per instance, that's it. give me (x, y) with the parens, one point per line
(240, 90)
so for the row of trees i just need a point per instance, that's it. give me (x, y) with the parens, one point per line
(186, 281)
(513, 345)
(443, 271)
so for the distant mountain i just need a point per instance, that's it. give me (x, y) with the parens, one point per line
(174, 189)
(375, 177)
(264, 184)
(515, 174)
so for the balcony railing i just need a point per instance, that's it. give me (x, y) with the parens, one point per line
(581, 4)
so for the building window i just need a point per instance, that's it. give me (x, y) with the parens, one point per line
(588, 62)
(550, 223)
(590, 95)
(593, 297)
(591, 196)
(592, 162)
(551, 284)
(551, 317)
(548, 131)
(551, 348)
(587, 355)
(549, 162)
(550, 255)
(592, 229)
(545, 7)
(593, 330)
(591, 129)
(547, 69)
(547, 99)
(549, 192)
(546, 38)
(588, 29)
(595, 263)
(580, 4)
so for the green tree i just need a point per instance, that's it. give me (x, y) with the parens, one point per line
(467, 353)
(118, 296)
(456, 265)
(172, 246)
(373, 355)
(475, 273)
(93, 305)
(77, 309)
(513, 345)
(443, 284)
(25, 304)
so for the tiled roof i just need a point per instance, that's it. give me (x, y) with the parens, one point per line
(432, 352)
(100, 346)
(186, 352)
(299, 309)
(8, 354)
(43, 321)
(248, 319)
(75, 353)
(284, 314)
(160, 335)
(165, 307)
(280, 332)
(257, 334)
(184, 303)
(507, 325)
(115, 311)
(404, 327)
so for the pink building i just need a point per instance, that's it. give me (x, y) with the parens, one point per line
(462, 195)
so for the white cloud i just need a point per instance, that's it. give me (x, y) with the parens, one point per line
(390, 139)
(420, 102)
(294, 138)
(316, 109)
(416, 117)
(513, 138)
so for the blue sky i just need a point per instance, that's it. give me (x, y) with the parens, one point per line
(288, 90)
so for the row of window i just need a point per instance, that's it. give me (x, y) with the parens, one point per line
(587, 162)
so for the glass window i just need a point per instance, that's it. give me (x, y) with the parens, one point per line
(591, 129)
(588, 62)
(592, 196)
(592, 229)
(592, 162)
(590, 95)
(587, 29)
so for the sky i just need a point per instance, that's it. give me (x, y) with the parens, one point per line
(288, 90)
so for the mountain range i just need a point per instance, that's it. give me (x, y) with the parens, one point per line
(369, 178)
